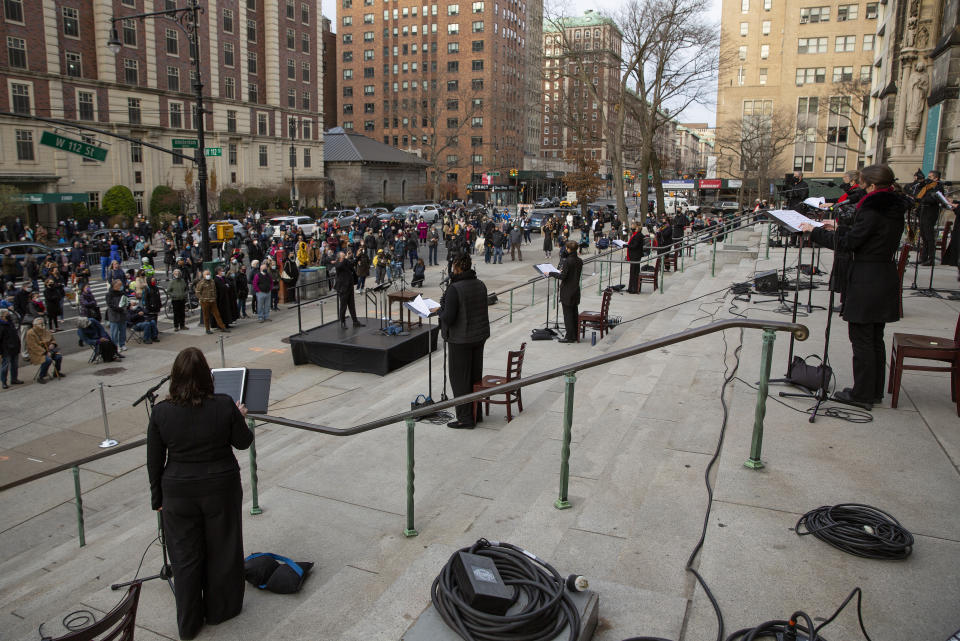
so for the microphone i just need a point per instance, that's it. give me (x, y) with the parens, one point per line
(151, 391)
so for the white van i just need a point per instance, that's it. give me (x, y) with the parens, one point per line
(429, 212)
(671, 203)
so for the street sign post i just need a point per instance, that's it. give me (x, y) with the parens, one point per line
(185, 143)
(78, 147)
(213, 151)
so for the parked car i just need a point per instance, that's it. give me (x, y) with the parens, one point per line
(430, 213)
(306, 224)
(567, 203)
(19, 251)
(238, 229)
(538, 218)
(729, 207)
(542, 203)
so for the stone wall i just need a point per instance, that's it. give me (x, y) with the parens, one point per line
(363, 184)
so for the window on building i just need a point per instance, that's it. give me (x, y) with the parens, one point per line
(368, 72)
(252, 92)
(305, 43)
(304, 13)
(811, 15)
(71, 22)
(292, 98)
(136, 152)
(291, 10)
(231, 121)
(228, 54)
(131, 71)
(866, 73)
(173, 78)
(453, 28)
(845, 44)
(13, 10)
(811, 75)
(453, 66)
(175, 111)
(477, 26)
(24, 144)
(765, 28)
(368, 36)
(767, 5)
(17, 52)
(133, 111)
(262, 124)
(74, 65)
(476, 84)
(130, 33)
(744, 6)
(195, 116)
(85, 109)
(230, 88)
(252, 62)
(263, 155)
(453, 47)
(347, 92)
(20, 98)
(871, 12)
(868, 41)
(742, 52)
(291, 39)
(453, 10)
(744, 28)
(307, 160)
(368, 18)
(368, 90)
(305, 100)
(251, 30)
(228, 20)
(347, 38)
(763, 75)
(764, 52)
(812, 45)
(847, 12)
(842, 74)
(476, 121)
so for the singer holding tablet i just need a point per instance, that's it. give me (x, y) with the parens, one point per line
(195, 483)
(872, 284)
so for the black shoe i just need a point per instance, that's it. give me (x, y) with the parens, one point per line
(225, 330)
(359, 324)
(845, 396)
(61, 374)
(567, 340)
(16, 382)
(5, 386)
(457, 425)
(209, 331)
(927, 263)
(42, 380)
(343, 324)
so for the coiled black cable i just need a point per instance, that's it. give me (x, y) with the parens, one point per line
(780, 630)
(546, 607)
(858, 529)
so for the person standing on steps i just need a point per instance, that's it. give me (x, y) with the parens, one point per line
(345, 279)
(873, 285)
(262, 287)
(634, 253)
(177, 290)
(206, 292)
(195, 485)
(570, 269)
(465, 325)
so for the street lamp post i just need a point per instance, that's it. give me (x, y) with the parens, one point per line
(294, 200)
(187, 18)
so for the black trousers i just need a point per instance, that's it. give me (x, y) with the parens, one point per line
(466, 368)
(205, 540)
(570, 315)
(179, 313)
(869, 360)
(633, 285)
(346, 302)
(928, 236)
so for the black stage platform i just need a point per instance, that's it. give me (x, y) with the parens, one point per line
(364, 349)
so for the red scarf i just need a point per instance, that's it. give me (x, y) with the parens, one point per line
(876, 191)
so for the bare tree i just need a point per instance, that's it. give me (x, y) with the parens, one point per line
(846, 112)
(437, 117)
(752, 148)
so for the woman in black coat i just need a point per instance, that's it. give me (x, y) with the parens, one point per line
(53, 294)
(195, 484)
(872, 284)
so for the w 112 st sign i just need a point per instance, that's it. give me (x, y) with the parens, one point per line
(78, 147)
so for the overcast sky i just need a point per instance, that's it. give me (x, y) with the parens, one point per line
(693, 113)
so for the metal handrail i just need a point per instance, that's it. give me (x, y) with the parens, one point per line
(800, 332)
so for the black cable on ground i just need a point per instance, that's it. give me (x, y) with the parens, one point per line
(547, 608)
(861, 530)
(779, 629)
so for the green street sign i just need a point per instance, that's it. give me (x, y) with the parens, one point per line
(84, 149)
(37, 199)
(493, 173)
(213, 151)
(185, 143)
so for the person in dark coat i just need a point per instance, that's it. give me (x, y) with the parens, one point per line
(241, 286)
(195, 484)
(226, 299)
(873, 285)
(53, 295)
(634, 253)
(928, 197)
(345, 276)
(9, 350)
(570, 269)
(465, 325)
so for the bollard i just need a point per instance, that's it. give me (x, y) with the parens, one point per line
(223, 357)
(410, 530)
(600, 281)
(76, 490)
(255, 507)
(563, 502)
(511, 306)
(768, 240)
(533, 292)
(713, 257)
(107, 441)
(766, 356)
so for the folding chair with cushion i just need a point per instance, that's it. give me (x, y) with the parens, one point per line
(117, 625)
(931, 348)
(670, 260)
(902, 268)
(514, 367)
(596, 320)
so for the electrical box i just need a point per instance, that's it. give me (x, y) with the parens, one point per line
(224, 231)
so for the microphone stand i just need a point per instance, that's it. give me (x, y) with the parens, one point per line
(166, 570)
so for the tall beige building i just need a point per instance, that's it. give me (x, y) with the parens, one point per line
(809, 62)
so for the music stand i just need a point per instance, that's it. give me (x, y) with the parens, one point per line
(430, 309)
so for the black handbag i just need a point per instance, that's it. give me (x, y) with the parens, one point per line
(809, 376)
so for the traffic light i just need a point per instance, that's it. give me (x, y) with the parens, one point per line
(514, 173)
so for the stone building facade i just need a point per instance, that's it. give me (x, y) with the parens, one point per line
(261, 68)
(364, 171)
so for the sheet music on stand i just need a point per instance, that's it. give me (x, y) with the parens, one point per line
(792, 219)
(423, 307)
(619, 243)
(545, 269)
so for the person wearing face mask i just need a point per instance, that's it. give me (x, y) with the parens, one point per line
(117, 315)
(206, 292)
(262, 286)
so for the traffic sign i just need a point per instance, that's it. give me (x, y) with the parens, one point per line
(185, 143)
(78, 147)
(213, 151)
(493, 173)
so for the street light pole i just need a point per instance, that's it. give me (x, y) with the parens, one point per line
(187, 18)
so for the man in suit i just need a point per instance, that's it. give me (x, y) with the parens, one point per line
(570, 269)
(634, 253)
(345, 273)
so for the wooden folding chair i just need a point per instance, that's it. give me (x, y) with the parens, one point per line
(514, 367)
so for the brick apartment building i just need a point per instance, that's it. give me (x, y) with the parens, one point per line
(448, 82)
(261, 65)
